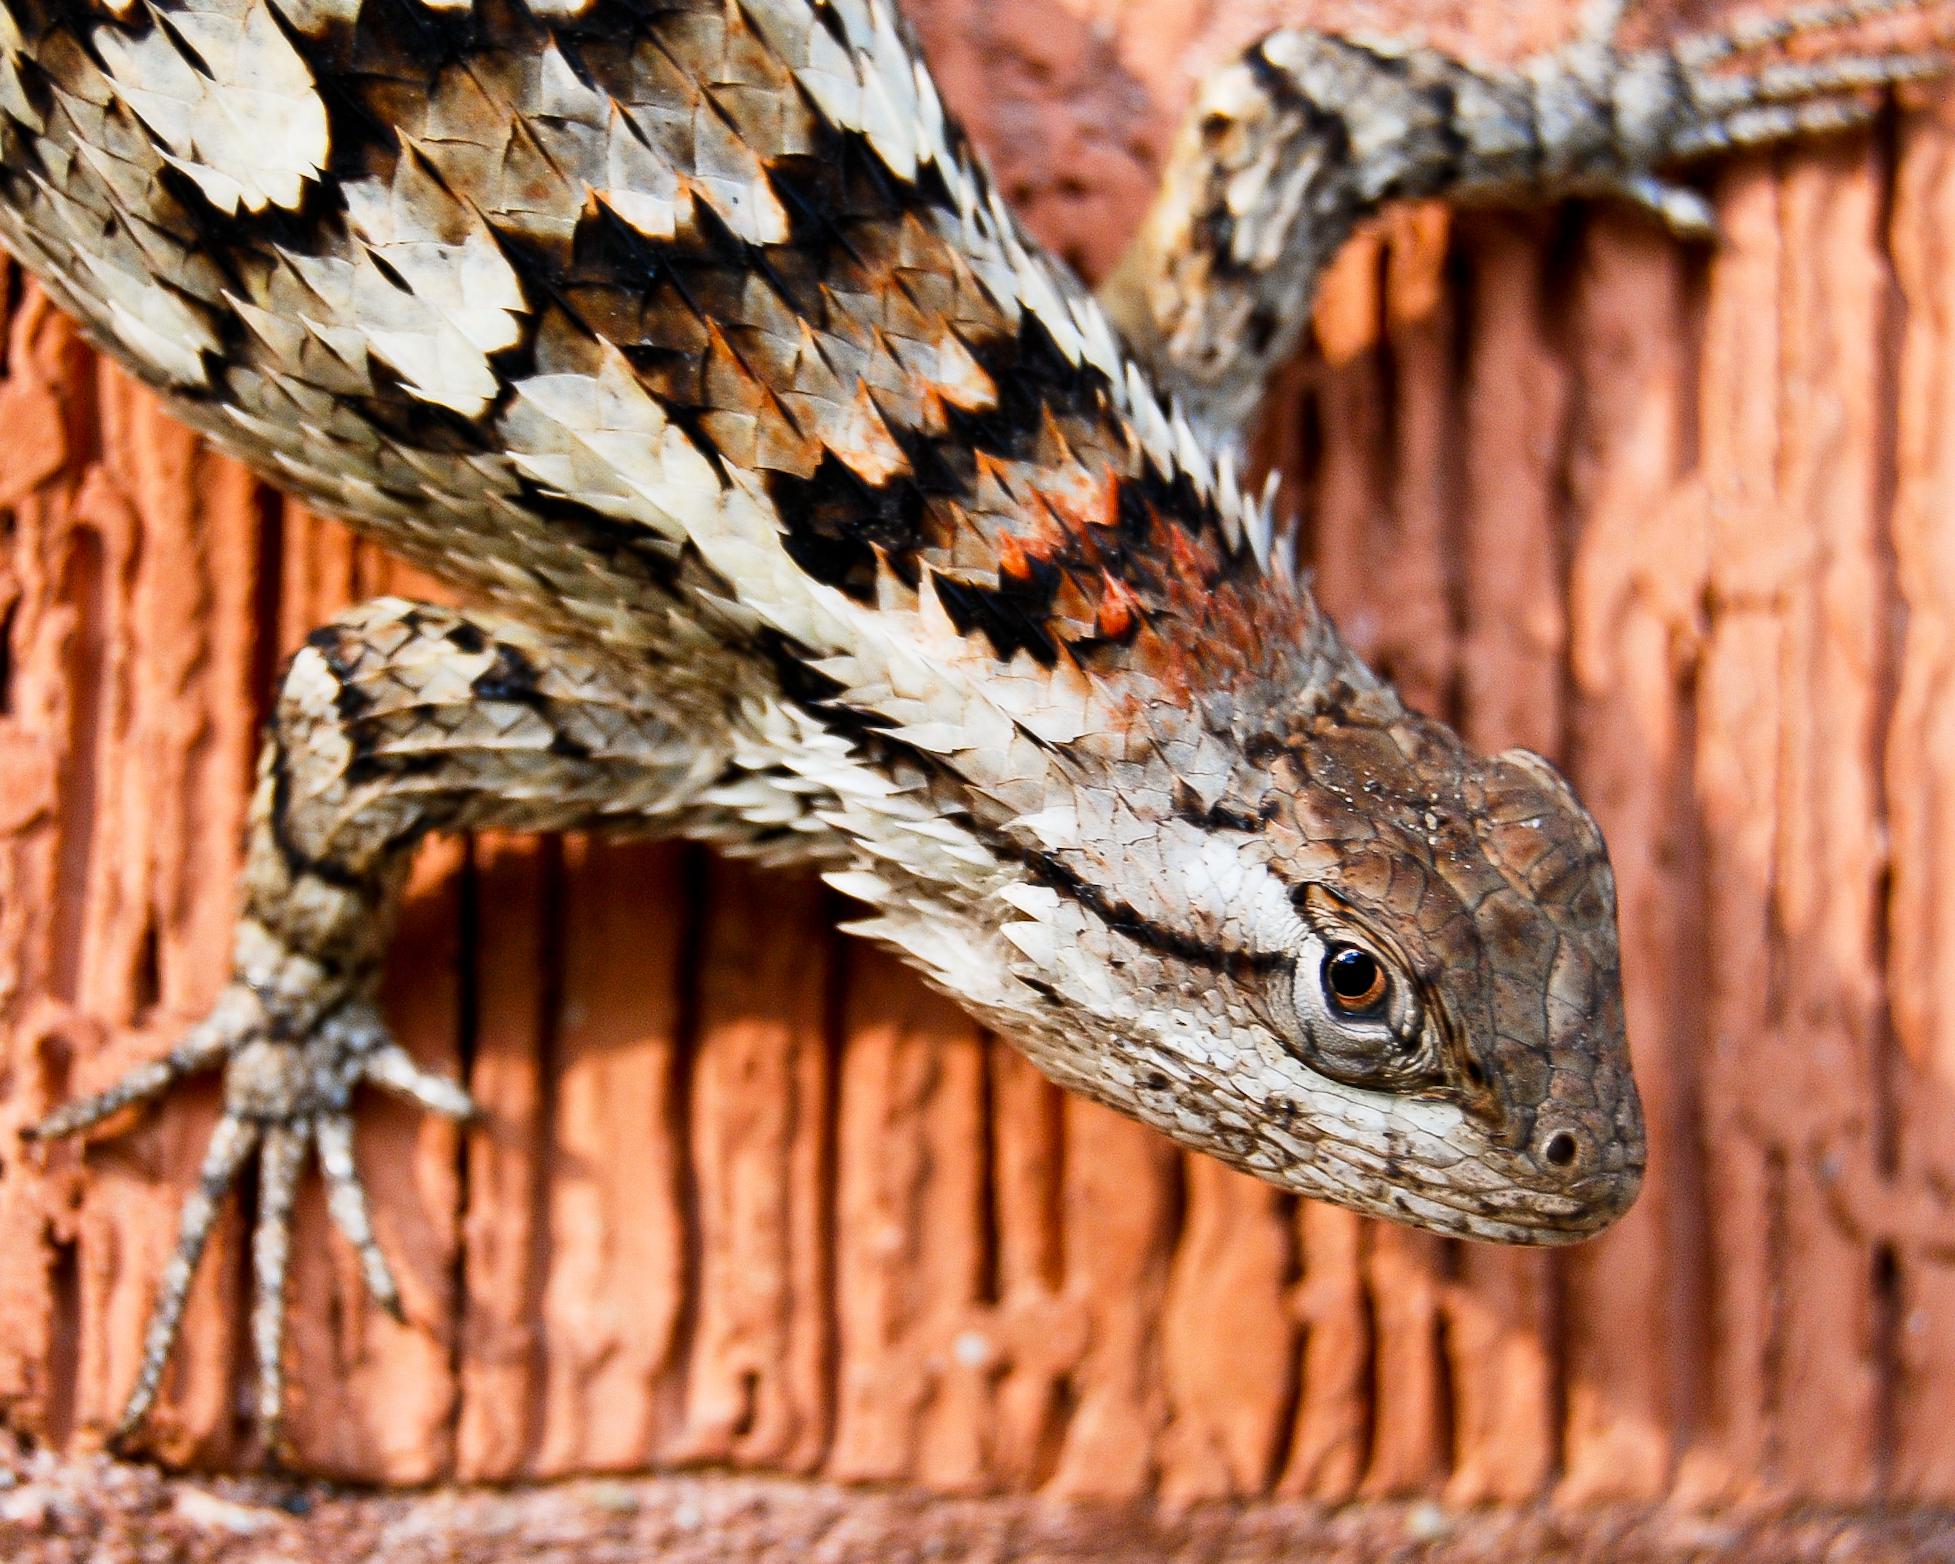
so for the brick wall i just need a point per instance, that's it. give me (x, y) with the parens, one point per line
(746, 1196)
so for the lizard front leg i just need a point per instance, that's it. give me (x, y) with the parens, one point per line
(395, 720)
(1289, 147)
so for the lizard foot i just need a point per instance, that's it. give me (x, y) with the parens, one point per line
(287, 1092)
(1711, 100)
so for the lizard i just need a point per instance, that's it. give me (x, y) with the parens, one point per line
(803, 504)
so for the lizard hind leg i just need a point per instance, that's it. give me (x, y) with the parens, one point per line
(1769, 30)
(1780, 97)
(1602, 23)
(1736, 86)
(1286, 149)
(396, 720)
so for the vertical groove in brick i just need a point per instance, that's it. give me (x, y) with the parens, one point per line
(621, 1272)
(1636, 575)
(916, 1353)
(1740, 713)
(1503, 1326)
(1830, 379)
(1920, 759)
(519, 967)
(1228, 1341)
(756, 1391)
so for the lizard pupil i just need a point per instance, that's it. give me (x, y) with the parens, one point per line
(1354, 978)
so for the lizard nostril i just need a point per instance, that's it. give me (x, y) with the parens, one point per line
(1560, 1149)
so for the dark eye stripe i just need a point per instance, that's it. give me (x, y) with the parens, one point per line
(1124, 919)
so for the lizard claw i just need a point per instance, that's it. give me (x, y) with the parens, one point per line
(287, 1093)
(1687, 213)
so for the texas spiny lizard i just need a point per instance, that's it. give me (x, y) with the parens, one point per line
(807, 506)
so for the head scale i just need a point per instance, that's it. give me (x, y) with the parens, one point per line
(1384, 972)
(1460, 947)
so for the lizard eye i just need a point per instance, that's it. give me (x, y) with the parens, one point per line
(1354, 980)
(1356, 1013)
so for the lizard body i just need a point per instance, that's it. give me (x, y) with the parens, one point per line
(810, 507)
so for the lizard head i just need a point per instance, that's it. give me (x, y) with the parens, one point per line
(1382, 971)
(1455, 969)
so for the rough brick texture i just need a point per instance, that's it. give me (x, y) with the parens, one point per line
(746, 1197)
(88, 1512)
